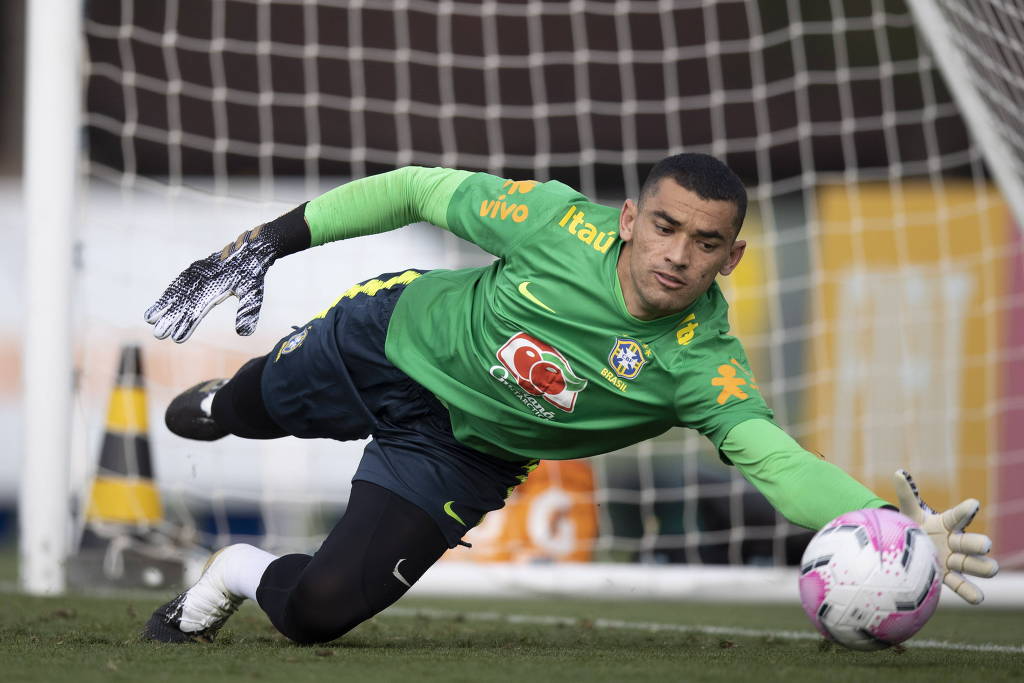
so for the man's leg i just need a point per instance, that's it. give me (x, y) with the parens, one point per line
(377, 551)
(213, 409)
(381, 546)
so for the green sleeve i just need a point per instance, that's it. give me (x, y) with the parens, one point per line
(383, 202)
(500, 214)
(807, 490)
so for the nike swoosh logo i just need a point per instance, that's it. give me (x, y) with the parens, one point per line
(399, 576)
(531, 297)
(451, 513)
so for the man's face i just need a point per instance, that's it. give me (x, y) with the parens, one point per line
(675, 245)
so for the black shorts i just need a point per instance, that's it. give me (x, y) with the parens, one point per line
(331, 379)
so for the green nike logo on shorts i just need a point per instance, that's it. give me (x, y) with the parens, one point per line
(451, 513)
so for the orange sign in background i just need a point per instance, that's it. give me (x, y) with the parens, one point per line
(550, 517)
(909, 363)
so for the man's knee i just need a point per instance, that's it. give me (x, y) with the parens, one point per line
(322, 608)
(354, 575)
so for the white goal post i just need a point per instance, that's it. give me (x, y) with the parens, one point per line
(51, 163)
(877, 300)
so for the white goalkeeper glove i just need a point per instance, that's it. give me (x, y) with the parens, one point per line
(238, 269)
(959, 553)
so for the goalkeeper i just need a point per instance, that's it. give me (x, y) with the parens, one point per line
(594, 329)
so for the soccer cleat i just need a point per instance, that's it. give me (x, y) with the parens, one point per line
(189, 416)
(198, 614)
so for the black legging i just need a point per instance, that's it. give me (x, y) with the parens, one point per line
(238, 405)
(381, 546)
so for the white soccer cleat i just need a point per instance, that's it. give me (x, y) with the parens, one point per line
(199, 613)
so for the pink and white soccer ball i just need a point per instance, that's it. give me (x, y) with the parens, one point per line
(870, 579)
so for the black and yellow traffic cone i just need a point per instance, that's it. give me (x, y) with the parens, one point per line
(124, 542)
(124, 492)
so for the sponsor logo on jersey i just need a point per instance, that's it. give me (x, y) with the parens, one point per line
(532, 368)
(730, 384)
(626, 358)
(505, 206)
(575, 221)
(292, 343)
(684, 335)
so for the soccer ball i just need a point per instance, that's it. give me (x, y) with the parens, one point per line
(870, 579)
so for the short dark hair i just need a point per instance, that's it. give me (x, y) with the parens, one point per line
(705, 176)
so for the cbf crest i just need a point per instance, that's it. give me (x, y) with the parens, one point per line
(293, 342)
(627, 358)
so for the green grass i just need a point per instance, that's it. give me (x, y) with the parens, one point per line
(96, 639)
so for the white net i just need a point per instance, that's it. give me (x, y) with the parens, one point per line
(877, 300)
(989, 48)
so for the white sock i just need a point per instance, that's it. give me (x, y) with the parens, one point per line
(242, 567)
(206, 405)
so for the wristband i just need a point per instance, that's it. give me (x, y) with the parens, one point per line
(288, 233)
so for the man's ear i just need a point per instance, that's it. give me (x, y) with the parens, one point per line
(627, 220)
(735, 254)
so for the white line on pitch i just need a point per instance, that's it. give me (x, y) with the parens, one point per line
(676, 628)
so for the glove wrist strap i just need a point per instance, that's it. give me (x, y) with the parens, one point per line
(289, 233)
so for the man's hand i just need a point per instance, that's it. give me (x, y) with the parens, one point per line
(959, 553)
(238, 269)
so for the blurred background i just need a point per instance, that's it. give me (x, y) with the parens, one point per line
(879, 302)
(12, 67)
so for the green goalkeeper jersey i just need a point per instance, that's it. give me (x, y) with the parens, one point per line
(536, 355)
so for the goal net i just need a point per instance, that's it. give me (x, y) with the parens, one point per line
(880, 300)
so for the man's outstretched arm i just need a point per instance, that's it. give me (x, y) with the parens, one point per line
(362, 207)
(807, 490)
(810, 492)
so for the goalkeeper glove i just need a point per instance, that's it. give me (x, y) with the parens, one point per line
(959, 553)
(238, 269)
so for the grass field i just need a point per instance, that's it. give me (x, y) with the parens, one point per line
(96, 639)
